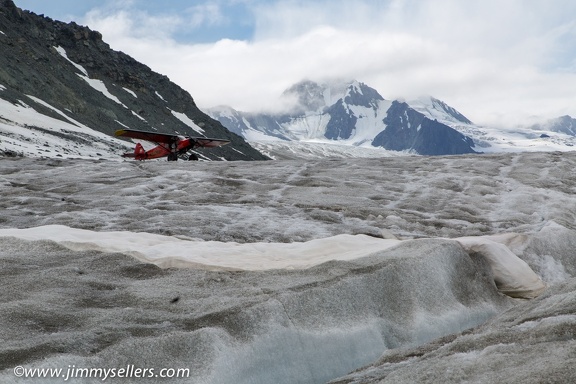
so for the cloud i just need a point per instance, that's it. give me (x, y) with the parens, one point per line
(122, 23)
(205, 14)
(494, 61)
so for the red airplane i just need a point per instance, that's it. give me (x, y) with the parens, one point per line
(171, 146)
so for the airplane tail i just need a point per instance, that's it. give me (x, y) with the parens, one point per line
(139, 152)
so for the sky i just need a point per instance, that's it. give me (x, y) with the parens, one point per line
(495, 61)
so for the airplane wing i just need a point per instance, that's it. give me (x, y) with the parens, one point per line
(148, 136)
(170, 138)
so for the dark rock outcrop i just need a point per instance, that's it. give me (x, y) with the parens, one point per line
(341, 123)
(407, 129)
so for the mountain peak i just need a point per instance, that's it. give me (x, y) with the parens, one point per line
(7, 4)
(308, 95)
(408, 129)
(10, 9)
(361, 94)
(436, 109)
(312, 96)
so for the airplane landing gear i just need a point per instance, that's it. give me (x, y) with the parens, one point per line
(173, 155)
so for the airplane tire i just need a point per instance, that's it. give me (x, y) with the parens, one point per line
(192, 157)
(172, 157)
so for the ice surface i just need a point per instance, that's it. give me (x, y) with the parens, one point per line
(512, 275)
(92, 309)
(316, 149)
(83, 306)
(530, 343)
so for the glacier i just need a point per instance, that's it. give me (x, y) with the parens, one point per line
(296, 271)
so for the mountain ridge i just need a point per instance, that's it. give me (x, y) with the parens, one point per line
(67, 72)
(352, 113)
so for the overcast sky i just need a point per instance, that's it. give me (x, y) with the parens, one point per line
(493, 60)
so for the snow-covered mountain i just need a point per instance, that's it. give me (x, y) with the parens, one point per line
(64, 92)
(351, 113)
(562, 124)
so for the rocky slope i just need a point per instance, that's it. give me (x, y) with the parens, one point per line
(72, 74)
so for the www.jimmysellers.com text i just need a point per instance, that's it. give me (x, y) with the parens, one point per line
(129, 371)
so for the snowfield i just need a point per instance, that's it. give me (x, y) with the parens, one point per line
(292, 271)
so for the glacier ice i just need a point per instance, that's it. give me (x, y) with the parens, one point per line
(404, 311)
(237, 326)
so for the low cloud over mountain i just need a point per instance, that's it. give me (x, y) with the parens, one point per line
(354, 114)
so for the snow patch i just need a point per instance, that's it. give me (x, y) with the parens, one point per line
(122, 124)
(101, 87)
(62, 53)
(130, 91)
(171, 252)
(138, 116)
(42, 102)
(25, 131)
(512, 275)
(159, 95)
(94, 83)
(188, 121)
